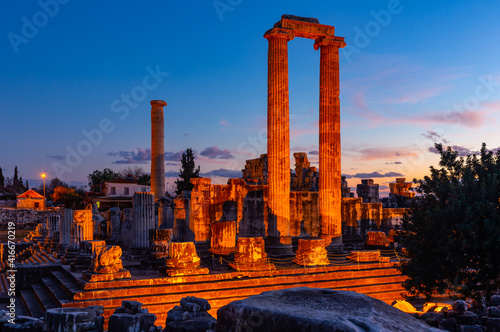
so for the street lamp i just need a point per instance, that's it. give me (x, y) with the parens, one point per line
(43, 177)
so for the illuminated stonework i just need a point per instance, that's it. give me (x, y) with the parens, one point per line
(183, 260)
(157, 149)
(329, 126)
(251, 255)
(311, 252)
(223, 239)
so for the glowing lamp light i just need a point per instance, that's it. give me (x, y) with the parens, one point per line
(43, 177)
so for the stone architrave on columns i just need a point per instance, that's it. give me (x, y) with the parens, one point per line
(278, 135)
(157, 149)
(144, 219)
(330, 195)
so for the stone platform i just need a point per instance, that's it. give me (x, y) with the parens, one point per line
(95, 277)
(59, 287)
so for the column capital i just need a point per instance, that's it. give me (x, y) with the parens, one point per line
(279, 33)
(160, 103)
(325, 41)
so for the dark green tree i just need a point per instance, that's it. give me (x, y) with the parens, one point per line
(98, 177)
(50, 186)
(144, 179)
(187, 172)
(453, 227)
(71, 197)
(2, 178)
(15, 180)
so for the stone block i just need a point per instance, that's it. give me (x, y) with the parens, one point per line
(75, 319)
(493, 312)
(314, 309)
(183, 260)
(364, 256)
(492, 324)
(494, 301)
(130, 317)
(251, 255)
(311, 252)
(191, 316)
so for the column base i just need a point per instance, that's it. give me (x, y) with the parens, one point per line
(311, 252)
(279, 247)
(333, 243)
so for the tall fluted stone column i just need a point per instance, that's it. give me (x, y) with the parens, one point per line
(278, 143)
(157, 149)
(330, 181)
(51, 240)
(65, 232)
(143, 220)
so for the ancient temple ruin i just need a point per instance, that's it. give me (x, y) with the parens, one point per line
(271, 228)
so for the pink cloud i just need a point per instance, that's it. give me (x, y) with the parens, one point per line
(368, 153)
(223, 122)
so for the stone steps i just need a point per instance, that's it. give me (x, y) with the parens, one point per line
(48, 257)
(37, 258)
(31, 304)
(43, 297)
(383, 284)
(21, 309)
(67, 282)
(339, 279)
(56, 292)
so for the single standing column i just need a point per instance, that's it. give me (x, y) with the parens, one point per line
(65, 232)
(278, 143)
(143, 221)
(330, 196)
(84, 226)
(157, 149)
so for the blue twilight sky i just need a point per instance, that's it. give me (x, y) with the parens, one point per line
(76, 78)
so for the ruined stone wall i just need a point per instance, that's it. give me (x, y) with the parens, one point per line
(304, 213)
(247, 206)
(24, 217)
(208, 204)
(306, 178)
(256, 170)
